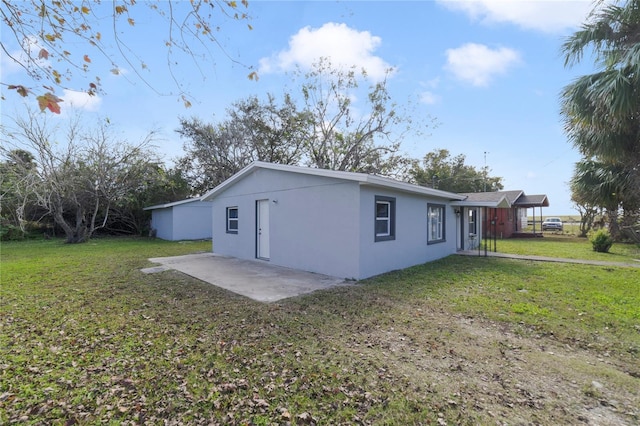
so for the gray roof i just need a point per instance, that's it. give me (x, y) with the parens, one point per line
(539, 200)
(512, 196)
(504, 199)
(362, 178)
(484, 199)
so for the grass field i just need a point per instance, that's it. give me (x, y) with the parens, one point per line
(88, 339)
(571, 225)
(568, 247)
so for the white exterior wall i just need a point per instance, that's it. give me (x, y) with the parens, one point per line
(192, 221)
(313, 221)
(410, 246)
(162, 222)
(189, 221)
(327, 225)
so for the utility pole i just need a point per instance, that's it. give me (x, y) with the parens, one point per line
(484, 180)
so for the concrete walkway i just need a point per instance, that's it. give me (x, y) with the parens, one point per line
(481, 253)
(255, 279)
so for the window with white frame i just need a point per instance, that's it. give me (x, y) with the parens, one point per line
(436, 223)
(385, 222)
(232, 220)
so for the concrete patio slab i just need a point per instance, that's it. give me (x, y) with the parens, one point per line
(255, 279)
(155, 269)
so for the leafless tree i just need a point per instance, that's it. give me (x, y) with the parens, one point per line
(16, 179)
(77, 179)
(324, 130)
(359, 138)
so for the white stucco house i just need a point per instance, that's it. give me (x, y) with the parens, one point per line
(189, 219)
(343, 224)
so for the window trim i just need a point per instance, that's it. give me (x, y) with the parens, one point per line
(443, 223)
(391, 227)
(232, 219)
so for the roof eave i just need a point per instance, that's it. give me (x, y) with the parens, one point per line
(410, 188)
(173, 204)
(211, 194)
(362, 179)
(503, 203)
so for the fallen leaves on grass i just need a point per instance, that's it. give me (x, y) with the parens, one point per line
(120, 347)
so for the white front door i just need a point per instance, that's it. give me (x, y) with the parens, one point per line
(262, 230)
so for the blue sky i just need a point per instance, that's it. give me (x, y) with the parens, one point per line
(489, 72)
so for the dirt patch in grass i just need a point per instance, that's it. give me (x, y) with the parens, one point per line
(481, 370)
(463, 369)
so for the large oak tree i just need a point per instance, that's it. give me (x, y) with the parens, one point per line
(440, 170)
(324, 128)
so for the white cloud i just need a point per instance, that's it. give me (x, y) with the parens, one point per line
(80, 100)
(27, 56)
(429, 98)
(8, 65)
(478, 64)
(344, 46)
(550, 16)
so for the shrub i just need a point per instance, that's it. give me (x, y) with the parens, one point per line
(10, 233)
(601, 241)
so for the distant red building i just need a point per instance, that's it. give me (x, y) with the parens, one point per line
(505, 212)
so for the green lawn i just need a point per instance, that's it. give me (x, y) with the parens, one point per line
(568, 247)
(569, 230)
(88, 339)
(571, 225)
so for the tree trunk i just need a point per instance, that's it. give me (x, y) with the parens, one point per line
(630, 227)
(614, 226)
(73, 235)
(587, 217)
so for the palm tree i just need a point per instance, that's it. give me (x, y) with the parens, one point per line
(601, 111)
(612, 33)
(602, 185)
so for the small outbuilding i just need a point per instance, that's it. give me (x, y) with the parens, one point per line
(343, 224)
(189, 219)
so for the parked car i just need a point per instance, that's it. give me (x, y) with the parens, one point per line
(552, 224)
